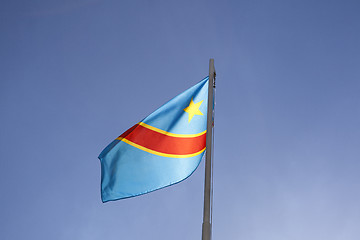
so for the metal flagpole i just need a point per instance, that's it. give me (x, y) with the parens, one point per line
(207, 218)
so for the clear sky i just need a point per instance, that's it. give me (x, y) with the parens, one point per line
(75, 74)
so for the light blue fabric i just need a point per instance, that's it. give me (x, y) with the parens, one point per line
(127, 171)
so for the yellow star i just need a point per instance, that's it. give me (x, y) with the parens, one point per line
(193, 109)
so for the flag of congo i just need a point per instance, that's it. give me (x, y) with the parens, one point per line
(163, 149)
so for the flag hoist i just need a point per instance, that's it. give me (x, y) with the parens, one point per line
(164, 148)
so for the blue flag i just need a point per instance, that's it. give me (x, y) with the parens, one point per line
(163, 149)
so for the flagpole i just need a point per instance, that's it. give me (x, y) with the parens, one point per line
(207, 217)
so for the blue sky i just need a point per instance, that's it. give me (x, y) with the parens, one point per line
(76, 74)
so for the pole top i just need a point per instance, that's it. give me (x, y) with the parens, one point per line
(212, 71)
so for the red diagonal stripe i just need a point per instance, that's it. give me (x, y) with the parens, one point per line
(163, 143)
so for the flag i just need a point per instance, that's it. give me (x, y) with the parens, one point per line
(163, 149)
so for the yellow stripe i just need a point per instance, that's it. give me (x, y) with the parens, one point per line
(159, 153)
(169, 133)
